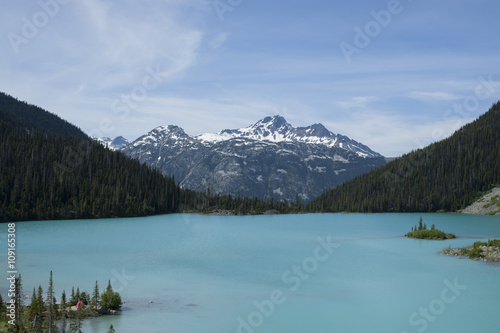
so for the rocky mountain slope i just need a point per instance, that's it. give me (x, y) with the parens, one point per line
(268, 159)
(489, 204)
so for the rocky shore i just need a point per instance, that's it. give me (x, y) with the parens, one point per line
(485, 253)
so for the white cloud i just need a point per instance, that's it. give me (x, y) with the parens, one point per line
(218, 40)
(441, 96)
(356, 102)
(394, 134)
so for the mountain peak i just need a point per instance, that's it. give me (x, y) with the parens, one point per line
(318, 130)
(168, 129)
(269, 128)
(277, 119)
(277, 129)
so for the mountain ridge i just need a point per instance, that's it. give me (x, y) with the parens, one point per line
(277, 129)
(269, 158)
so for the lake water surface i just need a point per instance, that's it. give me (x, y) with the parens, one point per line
(290, 273)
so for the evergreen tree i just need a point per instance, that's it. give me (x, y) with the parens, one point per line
(3, 310)
(63, 311)
(95, 296)
(50, 304)
(4, 326)
(40, 308)
(19, 302)
(77, 295)
(111, 299)
(33, 315)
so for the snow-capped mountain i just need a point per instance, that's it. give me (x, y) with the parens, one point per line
(277, 129)
(270, 158)
(113, 144)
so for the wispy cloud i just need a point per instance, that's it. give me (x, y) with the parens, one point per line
(356, 102)
(441, 96)
(264, 58)
(392, 134)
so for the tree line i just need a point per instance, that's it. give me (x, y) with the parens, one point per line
(54, 171)
(45, 177)
(50, 170)
(45, 314)
(445, 176)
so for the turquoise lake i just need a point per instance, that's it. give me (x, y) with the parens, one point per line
(286, 273)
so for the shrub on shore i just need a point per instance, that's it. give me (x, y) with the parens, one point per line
(421, 232)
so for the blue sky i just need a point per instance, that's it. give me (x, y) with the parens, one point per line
(417, 71)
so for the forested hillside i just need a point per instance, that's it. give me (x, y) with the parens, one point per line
(49, 169)
(48, 175)
(55, 178)
(36, 119)
(445, 176)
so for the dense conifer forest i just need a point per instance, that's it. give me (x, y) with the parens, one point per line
(35, 119)
(445, 176)
(49, 169)
(52, 177)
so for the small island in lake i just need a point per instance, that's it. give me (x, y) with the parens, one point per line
(421, 232)
(486, 251)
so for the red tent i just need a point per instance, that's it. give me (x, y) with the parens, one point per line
(79, 304)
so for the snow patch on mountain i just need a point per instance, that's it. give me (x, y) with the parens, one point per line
(113, 144)
(276, 129)
(270, 158)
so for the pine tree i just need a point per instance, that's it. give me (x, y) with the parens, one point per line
(33, 316)
(111, 299)
(19, 301)
(109, 287)
(40, 308)
(50, 303)
(63, 311)
(95, 296)
(77, 295)
(3, 310)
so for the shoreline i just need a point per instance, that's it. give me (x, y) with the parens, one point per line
(489, 253)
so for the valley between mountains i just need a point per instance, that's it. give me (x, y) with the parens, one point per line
(269, 159)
